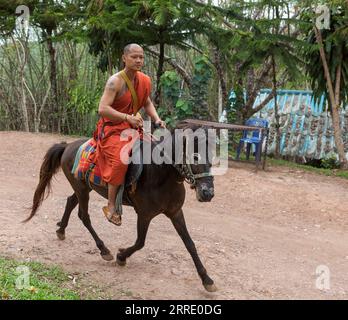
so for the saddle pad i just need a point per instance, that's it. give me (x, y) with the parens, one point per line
(83, 169)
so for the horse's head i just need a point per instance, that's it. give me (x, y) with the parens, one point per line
(197, 150)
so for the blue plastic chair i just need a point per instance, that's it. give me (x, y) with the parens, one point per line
(252, 137)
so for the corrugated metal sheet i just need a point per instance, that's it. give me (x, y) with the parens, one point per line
(306, 127)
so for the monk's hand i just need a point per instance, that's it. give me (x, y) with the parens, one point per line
(135, 121)
(160, 123)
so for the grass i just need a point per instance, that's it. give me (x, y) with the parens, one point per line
(322, 171)
(279, 162)
(43, 282)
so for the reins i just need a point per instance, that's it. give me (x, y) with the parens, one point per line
(185, 169)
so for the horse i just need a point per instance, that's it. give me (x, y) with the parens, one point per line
(160, 190)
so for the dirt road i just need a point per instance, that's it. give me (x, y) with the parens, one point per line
(263, 236)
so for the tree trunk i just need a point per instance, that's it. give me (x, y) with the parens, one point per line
(183, 73)
(53, 80)
(22, 61)
(276, 111)
(159, 74)
(336, 118)
(335, 104)
(220, 72)
(24, 105)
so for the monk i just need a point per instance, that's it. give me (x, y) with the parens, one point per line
(117, 111)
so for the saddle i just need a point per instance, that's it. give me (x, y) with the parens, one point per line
(83, 169)
(135, 169)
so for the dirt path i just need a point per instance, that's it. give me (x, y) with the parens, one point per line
(263, 235)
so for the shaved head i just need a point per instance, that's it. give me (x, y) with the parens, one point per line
(133, 56)
(132, 46)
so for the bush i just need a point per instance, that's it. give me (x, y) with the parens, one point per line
(330, 162)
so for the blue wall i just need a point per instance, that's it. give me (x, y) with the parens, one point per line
(306, 127)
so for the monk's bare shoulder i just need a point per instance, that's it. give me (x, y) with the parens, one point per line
(113, 84)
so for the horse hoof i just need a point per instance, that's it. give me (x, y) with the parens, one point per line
(210, 287)
(121, 263)
(107, 257)
(61, 236)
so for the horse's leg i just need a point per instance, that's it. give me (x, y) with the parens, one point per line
(83, 198)
(178, 221)
(71, 203)
(142, 227)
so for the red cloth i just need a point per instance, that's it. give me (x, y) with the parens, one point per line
(108, 152)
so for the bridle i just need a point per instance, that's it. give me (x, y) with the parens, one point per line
(185, 169)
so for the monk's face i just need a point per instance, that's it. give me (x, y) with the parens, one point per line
(134, 59)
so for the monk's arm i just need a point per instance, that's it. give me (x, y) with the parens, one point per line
(112, 87)
(151, 111)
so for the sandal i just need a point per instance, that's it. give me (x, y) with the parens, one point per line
(114, 218)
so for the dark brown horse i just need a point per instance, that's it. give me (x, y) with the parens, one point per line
(160, 189)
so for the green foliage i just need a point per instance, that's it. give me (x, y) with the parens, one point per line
(322, 171)
(183, 109)
(82, 105)
(8, 15)
(244, 43)
(236, 105)
(46, 283)
(330, 162)
(170, 84)
(167, 116)
(180, 104)
(335, 47)
(202, 74)
(82, 99)
(176, 106)
(48, 15)
(149, 22)
(257, 30)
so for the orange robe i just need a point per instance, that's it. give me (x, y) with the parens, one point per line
(108, 151)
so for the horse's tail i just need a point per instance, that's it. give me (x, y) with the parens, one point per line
(49, 168)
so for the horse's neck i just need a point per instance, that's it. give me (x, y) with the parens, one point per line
(157, 174)
(160, 172)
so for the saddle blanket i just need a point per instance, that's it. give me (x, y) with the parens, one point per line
(83, 169)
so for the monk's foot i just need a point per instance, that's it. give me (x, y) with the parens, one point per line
(113, 217)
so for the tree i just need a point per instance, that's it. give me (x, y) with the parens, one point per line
(50, 23)
(327, 64)
(250, 37)
(54, 18)
(114, 23)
